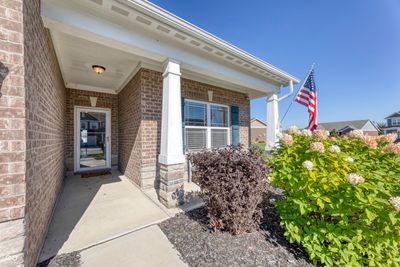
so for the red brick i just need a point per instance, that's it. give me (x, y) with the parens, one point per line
(7, 179)
(13, 4)
(4, 215)
(17, 212)
(6, 202)
(11, 113)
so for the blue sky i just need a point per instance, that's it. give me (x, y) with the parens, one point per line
(354, 44)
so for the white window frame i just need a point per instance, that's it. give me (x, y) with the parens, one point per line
(396, 121)
(208, 127)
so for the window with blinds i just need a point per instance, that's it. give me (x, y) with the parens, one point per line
(196, 139)
(219, 138)
(206, 125)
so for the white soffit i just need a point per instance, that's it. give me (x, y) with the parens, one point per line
(76, 57)
(168, 24)
(199, 51)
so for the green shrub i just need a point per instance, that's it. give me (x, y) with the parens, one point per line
(342, 196)
(232, 182)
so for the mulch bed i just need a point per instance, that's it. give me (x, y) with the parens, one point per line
(201, 246)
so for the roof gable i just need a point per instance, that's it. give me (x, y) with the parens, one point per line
(339, 125)
(396, 114)
(257, 123)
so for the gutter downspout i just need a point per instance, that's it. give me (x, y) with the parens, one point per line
(288, 94)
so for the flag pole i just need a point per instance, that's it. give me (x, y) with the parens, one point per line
(304, 81)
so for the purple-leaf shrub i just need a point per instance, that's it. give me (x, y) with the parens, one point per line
(232, 182)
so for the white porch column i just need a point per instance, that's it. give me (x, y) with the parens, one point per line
(171, 158)
(272, 122)
(171, 151)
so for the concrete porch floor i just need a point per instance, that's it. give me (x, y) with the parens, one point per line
(91, 211)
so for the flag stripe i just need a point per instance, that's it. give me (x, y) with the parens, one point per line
(307, 96)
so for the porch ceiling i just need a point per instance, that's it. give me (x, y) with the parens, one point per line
(76, 57)
(124, 35)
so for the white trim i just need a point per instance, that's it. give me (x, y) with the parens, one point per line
(171, 145)
(141, 65)
(77, 110)
(182, 26)
(208, 128)
(90, 88)
(77, 18)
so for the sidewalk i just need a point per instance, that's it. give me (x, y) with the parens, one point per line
(148, 247)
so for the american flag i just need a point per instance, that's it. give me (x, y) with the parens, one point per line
(307, 96)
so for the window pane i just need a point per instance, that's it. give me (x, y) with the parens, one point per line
(196, 139)
(195, 114)
(219, 138)
(219, 116)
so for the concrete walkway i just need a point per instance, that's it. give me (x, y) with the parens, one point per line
(95, 209)
(148, 247)
(111, 222)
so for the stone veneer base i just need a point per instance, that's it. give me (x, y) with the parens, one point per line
(171, 184)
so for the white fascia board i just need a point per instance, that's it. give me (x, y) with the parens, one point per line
(68, 18)
(180, 24)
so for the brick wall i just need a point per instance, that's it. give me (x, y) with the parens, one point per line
(12, 134)
(140, 134)
(45, 126)
(129, 133)
(198, 91)
(82, 98)
(151, 125)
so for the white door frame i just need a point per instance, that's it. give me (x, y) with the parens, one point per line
(77, 145)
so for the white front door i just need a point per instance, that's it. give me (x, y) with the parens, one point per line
(92, 139)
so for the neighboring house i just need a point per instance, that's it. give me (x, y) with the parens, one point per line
(160, 85)
(345, 127)
(392, 123)
(258, 130)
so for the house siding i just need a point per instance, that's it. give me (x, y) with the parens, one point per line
(140, 110)
(129, 129)
(45, 122)
(151, 108)
(31, 132)
(12, 134)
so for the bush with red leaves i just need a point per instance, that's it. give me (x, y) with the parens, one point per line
(232, 182)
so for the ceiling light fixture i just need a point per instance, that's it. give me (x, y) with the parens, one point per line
(98, 69)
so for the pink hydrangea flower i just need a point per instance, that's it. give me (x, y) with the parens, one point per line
(293, 130)
(355, 179)
(395, 202)
(349, 159)
(370, 141)
(334, 149)
(392, 148)
(306, 132)
(389, 138)
(287, 140)
(357, 134)
(307, 165)
(317, 147)
(320, 134)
